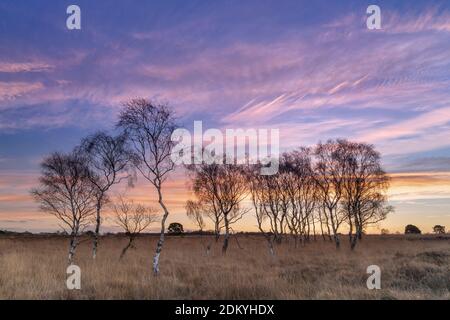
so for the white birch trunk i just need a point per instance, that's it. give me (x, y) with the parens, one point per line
(72, 248)
(160, 243)
(227, 235)
(97, 231)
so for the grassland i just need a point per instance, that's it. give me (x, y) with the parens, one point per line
(33, 267)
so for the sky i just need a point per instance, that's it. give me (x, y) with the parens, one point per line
(312, 69)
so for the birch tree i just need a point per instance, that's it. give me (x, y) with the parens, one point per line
(364, 187)
(223, 187)
(133, 218)
(66, 192)
(149, 127)
(300, 185)
(268, 202)
(256, 190)
(196, 211)
(206, 201)
(328, 173)
(107, 157)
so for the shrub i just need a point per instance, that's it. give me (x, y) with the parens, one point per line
(175, 228)
(412, 229)
(439, 229)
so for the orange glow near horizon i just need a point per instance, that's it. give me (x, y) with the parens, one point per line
(21, 213)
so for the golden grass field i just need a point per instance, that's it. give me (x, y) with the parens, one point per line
(412, 268)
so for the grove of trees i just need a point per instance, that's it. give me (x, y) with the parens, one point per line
(318, 192)
(315, 193)
(74, 186)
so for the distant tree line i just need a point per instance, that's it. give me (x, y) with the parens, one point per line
(412, 229)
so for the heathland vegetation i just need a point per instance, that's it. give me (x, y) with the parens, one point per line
(412, 267)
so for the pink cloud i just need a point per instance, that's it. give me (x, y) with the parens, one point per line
(430, 20)
(431, 119)
(14, 90)
(16, 67)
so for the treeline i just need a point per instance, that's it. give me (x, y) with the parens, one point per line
(316, 191)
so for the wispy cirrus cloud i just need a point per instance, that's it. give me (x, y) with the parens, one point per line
(382, 75)
(432, 19)
(19, 67)
(14, 90)
(433, 119)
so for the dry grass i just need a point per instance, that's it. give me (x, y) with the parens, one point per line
(412, 268)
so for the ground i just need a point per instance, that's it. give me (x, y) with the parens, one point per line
(413, 267)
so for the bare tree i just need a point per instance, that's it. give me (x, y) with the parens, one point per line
(286, 200)
(267, 197)
(222, 187)
(206, 199)
(364, 187)
(328, 173)
(133, 219)
(258, 194)
(149, 127)
(107, 158)
(66, 192)
(195, 212)
(300, 185)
